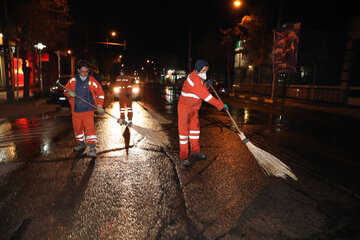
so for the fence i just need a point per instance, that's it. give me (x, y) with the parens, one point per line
(330, 94)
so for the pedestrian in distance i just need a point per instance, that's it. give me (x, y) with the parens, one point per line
(88, 88)
(123, 82)
(194, 91)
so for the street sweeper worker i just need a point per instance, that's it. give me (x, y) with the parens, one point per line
(88, 88)
(193, 92)
(123, 82)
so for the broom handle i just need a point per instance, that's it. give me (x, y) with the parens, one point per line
(227, 111)
(57, 82)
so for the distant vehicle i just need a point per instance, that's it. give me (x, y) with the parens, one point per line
(135, 90)
(57, 92)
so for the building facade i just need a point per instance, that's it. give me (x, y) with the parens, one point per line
(328, 69)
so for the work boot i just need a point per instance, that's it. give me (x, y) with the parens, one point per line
(80, 147)
(185, 162)
(91, 152)
(199, 156)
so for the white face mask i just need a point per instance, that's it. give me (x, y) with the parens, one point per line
(202, 75)
(83, 78)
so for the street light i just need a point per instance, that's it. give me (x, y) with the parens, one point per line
(40, 47)
(113, 34)
(237, 4)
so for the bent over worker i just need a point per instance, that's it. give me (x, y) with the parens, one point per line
(193, 92)
(123, 82)
(87, 87)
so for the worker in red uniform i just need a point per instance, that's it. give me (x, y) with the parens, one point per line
(123, 82)
(88, 88)
(193, 92)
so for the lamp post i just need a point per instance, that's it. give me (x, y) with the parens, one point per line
(237, 5)
(107, 43)
(40, 47)
(113, 34)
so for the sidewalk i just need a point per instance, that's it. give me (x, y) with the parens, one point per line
(345, 110)
(24, 109)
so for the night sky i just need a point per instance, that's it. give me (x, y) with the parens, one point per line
(151, 28)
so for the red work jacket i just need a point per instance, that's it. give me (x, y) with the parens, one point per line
(95, 88)
(194, 92)
(124, 84)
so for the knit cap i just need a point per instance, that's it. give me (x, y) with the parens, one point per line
(199, 64)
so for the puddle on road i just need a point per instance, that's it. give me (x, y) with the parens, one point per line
(116, 138)
(25, 137)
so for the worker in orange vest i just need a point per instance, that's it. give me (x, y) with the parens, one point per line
(193, 92)
(123, 82)
(88, 88)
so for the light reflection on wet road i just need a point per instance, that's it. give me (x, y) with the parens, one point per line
(25, 138)
(137, 190)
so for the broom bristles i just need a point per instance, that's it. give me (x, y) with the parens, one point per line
(157, 137)
(269, 163)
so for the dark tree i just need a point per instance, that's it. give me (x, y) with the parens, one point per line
(34, 21)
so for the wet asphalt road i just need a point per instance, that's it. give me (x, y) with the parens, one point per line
(137, 190)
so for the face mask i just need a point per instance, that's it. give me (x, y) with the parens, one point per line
(83, 78)
(202, 75)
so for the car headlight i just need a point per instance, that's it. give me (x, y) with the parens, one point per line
(137, 81)
(135, 90)
(116, 90)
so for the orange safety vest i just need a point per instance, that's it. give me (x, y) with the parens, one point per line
(194, 92)
(95, 88)
(124, 84)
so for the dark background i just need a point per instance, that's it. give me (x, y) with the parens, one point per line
(160, 29)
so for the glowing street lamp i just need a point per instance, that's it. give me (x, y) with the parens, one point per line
(237, 4)
(40, 47)
(113, 34)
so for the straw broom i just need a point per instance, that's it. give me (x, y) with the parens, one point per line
(156, 137)
(269, 163)
(155, 115)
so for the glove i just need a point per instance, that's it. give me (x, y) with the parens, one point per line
(225, 107)
(209, 83)
(71, 93)
(100, 110)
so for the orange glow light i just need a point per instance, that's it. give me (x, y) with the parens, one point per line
(237, 3)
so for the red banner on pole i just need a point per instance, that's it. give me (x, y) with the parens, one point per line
(286, 42)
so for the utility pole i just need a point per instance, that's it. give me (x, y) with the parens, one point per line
(189, 50)
(58, 62)
(274, 89)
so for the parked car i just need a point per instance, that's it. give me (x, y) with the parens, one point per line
(135, 90)
(57, 92)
